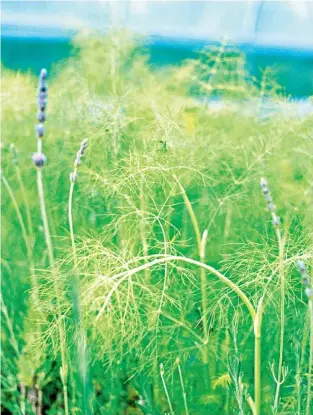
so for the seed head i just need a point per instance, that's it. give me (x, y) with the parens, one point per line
(39, 159)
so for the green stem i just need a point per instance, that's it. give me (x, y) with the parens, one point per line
(257, 358)
(80, 347)
(56, 287)
(10, 326)
(122, 276)
(39, 407)
(165, 389)
(282, 319)
(26, 203)
(257, 375)
(201, 243)
(183, 388)
(308, 402)
(26, 237)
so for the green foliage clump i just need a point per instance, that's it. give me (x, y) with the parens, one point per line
(169, 182)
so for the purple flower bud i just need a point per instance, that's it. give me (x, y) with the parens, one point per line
(40, 130)
(43, 74)
(73, 177)
(42, 95)
(41, 116)
(263, 183)
(302, 267)
(42, 104)
(269, 200)
(305, 279)
(39, 159)
(84, 144)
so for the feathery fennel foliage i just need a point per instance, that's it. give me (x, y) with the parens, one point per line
(170, 182)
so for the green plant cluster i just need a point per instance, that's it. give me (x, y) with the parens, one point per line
(126, 318)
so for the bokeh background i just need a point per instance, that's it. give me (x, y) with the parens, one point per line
(276, 34)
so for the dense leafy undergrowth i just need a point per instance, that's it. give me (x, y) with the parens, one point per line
(125, 319)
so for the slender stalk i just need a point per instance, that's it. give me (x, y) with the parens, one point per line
(70, 221)
(201, 243)
(282, 319)
(24, 195)
(81, 343)
(10, 326)
(184, 326)
(165, 389)
(304, 341)
(248, 398)
(18, 214)
(281, 244)
(28, 239)
(57, 290)
(39, 405)
(44, 217)
(182, 387)
(122, 276)
(306, 281)
(39, 159)
(23, 398)
(309, 294)
(144, 242)
(204, 285)
(25, 235)
(309, 395)
(31, 236)
(145, 248)
(257, 358)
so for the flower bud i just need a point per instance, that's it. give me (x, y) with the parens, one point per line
(270, 204)
(42, 95)
(40, 130)
(41, 116)
(302, 267)
(43, 74)
(39, 159)
(73, 177)
(42, 104)
(43, 88)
